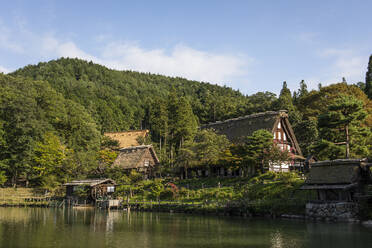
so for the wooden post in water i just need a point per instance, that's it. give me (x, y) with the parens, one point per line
(128, 204)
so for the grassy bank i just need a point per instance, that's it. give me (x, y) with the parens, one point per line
(24, 197)
(267, 194)
(271, 194)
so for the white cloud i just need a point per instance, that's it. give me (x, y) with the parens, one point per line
(307, 37)
(344, 63)
(180, 61)
(52, 47)
(334, 64)
(4, 70)
(6, 40)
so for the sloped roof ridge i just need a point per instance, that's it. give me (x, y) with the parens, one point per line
(129, 131)
(345, 161)
(135, 147)
(91, 182)
(251, 116)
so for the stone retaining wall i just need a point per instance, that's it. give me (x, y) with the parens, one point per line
(340, 211)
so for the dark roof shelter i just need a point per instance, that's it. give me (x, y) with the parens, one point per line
(90, 189)
(341, 179)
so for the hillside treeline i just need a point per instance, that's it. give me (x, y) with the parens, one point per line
(53, 115)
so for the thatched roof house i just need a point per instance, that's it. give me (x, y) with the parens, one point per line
(141, 158)
(339, 179)
(275, 122)
(128, 138)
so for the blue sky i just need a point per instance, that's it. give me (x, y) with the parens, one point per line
(247, 45)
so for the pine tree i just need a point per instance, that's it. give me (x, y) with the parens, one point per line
(368, 86)
(303, 89)
(345, 113)
(285, 98)
(285, 102)
(302, 92)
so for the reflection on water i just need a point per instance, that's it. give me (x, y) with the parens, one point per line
(37, 227)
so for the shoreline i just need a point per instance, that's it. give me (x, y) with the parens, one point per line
(220, 212)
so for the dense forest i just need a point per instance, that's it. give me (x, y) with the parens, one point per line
(53, 115)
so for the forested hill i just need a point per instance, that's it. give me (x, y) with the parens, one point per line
(122, 100)
(52, 116)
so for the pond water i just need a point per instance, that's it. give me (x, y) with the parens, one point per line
(40, 227)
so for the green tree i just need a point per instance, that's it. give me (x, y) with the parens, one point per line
(260, 102)
(285, 98)
(344, 115)
(3, 178)
(49, 162)
(260, 150)
(183, 123)
(285, 102)
(186, 158)
(156, 188)
(302, 92)
(205, 150)
(209, 146)
(105, 159)
(317, 102)
(159, 123)
(307, 134)
(368, 85)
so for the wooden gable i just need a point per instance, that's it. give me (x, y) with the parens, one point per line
(284, 136)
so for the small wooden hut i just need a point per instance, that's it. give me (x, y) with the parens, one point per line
(90, 190)
(342, 180)
(143, 159)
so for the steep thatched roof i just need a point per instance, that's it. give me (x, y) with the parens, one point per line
(340, 171)
(238, 128)
(128, 138)
(90, 182)
(245, 125)
(133, 157)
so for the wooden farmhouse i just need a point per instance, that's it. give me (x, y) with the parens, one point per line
(133, 155)
(143, 159)
(128, 138)
(275, 122)
(342, 180)
(89, 190)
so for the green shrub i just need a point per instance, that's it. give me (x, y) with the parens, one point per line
(135, 176)
(167, 194)
(3, 178)
(155, 189)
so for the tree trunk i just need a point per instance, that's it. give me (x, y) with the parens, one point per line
(160, 144)
(14, 179)
(347, 141)
(171, 155)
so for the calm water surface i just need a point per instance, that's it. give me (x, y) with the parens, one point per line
(36, 227)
